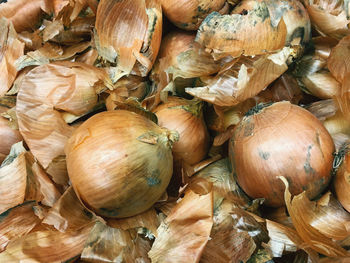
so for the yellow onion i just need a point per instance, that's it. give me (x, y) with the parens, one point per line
(128, 34)
(188, 14)
(281, 140)
(119, 163)
(255, 27)
(186, 117)
(342, 178)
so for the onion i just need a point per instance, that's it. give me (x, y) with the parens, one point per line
(342, 178)
(281, 140)
(186, 117)
(188, 14)
(119, 163)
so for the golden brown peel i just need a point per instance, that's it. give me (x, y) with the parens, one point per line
(128, 35)
(254, 28)
(188, 14)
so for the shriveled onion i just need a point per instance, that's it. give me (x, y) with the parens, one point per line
(342, 179)
(281, 140)
(119, 163)
(186, 117)
(188, 14)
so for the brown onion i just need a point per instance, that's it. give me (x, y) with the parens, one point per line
(119, 163)
(342, 178)
(186, 117)
(281, 140)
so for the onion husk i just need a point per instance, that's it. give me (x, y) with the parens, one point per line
(24, 15)
(109, 244)
(185, 117)
(10, 50)
(317, 229)
(254, 28)
(329, 18)
(70, 87)
(245, 79)
(8, 137)
(341, 181)
(306, 159)
(188, 15)
(128, 33)
(184, 233)
(338, 61)
(16, 222)
(224, 186)
(139, 163)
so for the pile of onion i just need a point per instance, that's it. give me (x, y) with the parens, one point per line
(119, 163)
(281, 140)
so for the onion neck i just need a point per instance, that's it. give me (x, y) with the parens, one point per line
(339, 156)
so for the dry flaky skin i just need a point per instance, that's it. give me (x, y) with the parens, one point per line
(25, 15)
(338, 61)
(68, 213)
(224, 185)
(13, 178)
(317, 231)
(8, 137)
(49, 53)
(17, 222)
(146, 219)
(329, 17)
(46, 245)
(128, 167)
(342, 183)
(45, 91)
(255, 27)
(10, 50)
(281, 140)
(185, 117)
(189, 14)
(107, 244)
(245, 79)
(235, 235)
(129, 34)
(183, 235)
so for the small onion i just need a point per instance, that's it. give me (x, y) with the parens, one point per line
(281, 140)
(342, 179)
(119, 163)
(186, 117)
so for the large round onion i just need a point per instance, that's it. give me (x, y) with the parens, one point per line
(281, 140)
(119, 163)
(185, 117)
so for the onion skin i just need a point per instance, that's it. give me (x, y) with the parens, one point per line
(188, 14)
(281, 140)
(119, 163)
(8, 137)
(342, 183)
(176, 114)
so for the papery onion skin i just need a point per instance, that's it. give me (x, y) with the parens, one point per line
(119, 163)
(281, 140)
(188, 14)
(8, 137)
(342, 183)
(186, 117)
